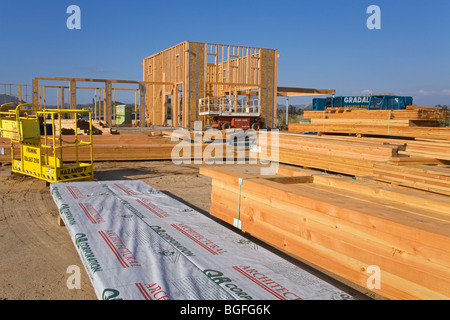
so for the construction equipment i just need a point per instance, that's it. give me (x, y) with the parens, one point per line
(37, 147)
(232, 113)
(374, 102)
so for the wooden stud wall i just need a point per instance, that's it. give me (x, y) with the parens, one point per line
(208, 70)
(104, 107)
(164, 67)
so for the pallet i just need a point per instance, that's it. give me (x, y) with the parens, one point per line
(344, 226)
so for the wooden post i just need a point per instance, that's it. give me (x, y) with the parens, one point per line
(142, 111)
(73, 94)
(35, 91)
(108, 103)
(95, 104)
(19, 89)
(175, 106)
(62, 98)
(135, 109)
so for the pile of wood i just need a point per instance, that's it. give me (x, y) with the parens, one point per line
(343, 155)
(424, 177)
(131, 147)
(358, 231)
(428, 148)
(411, 113)
(419, 122)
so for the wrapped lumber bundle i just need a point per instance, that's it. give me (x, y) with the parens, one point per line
(346, 227)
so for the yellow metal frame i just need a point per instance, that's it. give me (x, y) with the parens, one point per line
(41, 155)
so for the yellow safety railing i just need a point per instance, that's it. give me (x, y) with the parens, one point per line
(42, 145)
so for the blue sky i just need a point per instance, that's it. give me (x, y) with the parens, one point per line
(322, 44)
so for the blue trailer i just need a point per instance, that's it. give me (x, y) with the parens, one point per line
(375, 102)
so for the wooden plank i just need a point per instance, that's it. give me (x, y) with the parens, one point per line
(263, 92)
(193, 82)
(271, 103)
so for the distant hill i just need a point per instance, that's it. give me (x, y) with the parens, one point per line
(297, 106)
(4, 98)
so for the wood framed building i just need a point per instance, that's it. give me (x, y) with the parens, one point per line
(190, 71)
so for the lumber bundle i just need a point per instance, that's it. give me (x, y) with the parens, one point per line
(407, 147)
(134, 147)
(139, 147)
(413, 114)
(383, 130)
(428, 148)
(364, 150)
(345, 156)
(417, 122)
(424, 177)
(344, 226)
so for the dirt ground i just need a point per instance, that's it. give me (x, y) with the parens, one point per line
(35, 252)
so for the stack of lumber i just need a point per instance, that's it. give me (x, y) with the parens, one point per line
(345, 226)
(421, 123)
(132, 147)
(409, 114)
(428, 148)
(342, 155)
(113, 148)
(414, 148)
(424, 177)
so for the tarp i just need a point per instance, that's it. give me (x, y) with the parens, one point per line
(139, 243)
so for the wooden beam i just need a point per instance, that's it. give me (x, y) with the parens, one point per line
(292, 92)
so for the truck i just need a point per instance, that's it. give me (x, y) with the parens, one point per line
(373, 102)
(231, 113)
